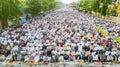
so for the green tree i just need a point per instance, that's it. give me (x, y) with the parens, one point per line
(52, 4)
(34, 6)
(94, 5)
(89, 5)
(104, 8)
(37, 6)
(9, 9)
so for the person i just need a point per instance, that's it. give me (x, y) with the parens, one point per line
(119, 59)
(110, 58)
(61, 58)
(66, 57)
(95, 57)
(26, 58)
(83, 56)
(36, 59)
(45, 59)
(104, 57)
(90, 58)
(19, 65)
(52, 60)
(71, 57)
(31, 59)
(19, 57)
(2, 58)
(56, 58)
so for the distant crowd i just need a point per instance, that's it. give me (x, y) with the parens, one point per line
(62, 35)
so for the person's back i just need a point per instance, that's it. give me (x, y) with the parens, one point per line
(37, 58)
(76, 48)
(19, 57)
(52, 60)
(61, 59)
(109, 58)
(71, 58)
(82, 56)
(46, 60)
(56, 58)
(26, 58)
(2, 58)
(90, 58)
(101, 57)
(66, 57)
(95, 57)
(119, 59)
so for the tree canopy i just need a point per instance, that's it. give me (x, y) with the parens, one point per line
(37, 6)
(100, 6)
(8, 9)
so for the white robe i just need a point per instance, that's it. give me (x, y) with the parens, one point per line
(36, 59)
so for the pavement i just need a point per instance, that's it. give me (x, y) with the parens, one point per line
(115, 19)
(72, 64)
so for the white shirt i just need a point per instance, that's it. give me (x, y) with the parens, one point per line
(95, 57)
(36, 59)
(119, 58)
(109, 57)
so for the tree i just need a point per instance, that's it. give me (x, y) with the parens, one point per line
(110, 10)
(38, 6)
(89, 5)
(106, 3)
(52, 4)
(34, 6)
(94, 5)
(118, 9)
(9, 9)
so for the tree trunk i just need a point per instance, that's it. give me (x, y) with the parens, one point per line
(4, 23)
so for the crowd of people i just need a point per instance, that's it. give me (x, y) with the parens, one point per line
(62, 35)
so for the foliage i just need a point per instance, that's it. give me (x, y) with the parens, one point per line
(110, 11)
(95, 5)
(118, 9)
(106, 3)
(34, 6)
(9, 9)
(37, 6)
